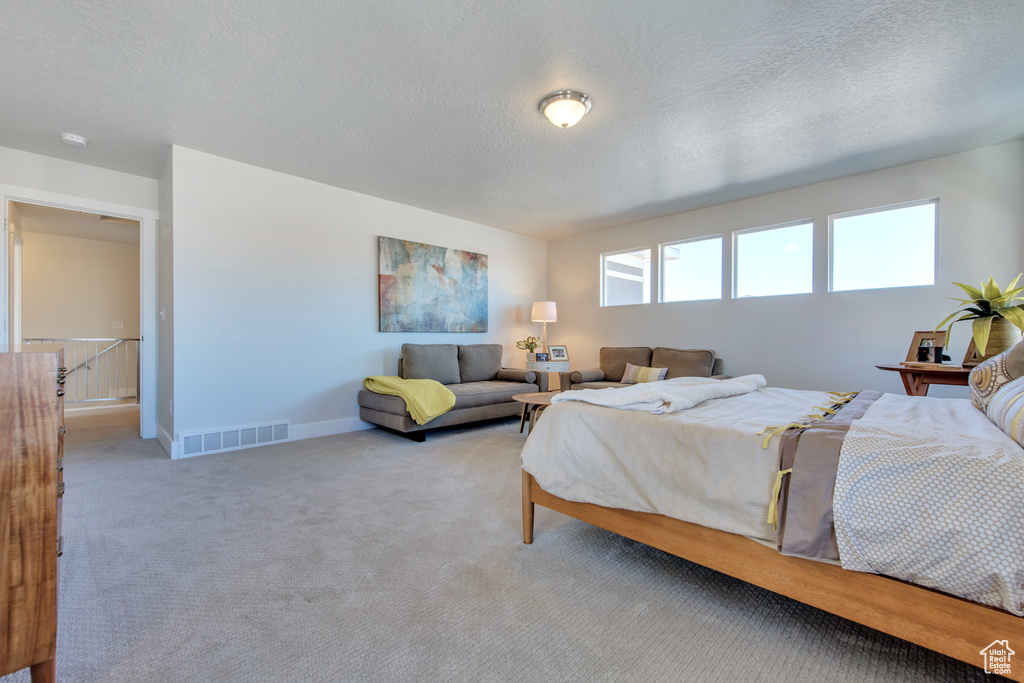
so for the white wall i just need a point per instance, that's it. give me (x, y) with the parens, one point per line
(275, 294)
(819, 340)
(38, 172)
(165, 306)
(75, 288)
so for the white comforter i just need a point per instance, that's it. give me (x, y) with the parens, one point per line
(930, 491)
(703, 465)
(667, 396)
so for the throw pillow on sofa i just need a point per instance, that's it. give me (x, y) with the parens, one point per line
(636, 374)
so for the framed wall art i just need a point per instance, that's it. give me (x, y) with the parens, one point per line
(427, 288)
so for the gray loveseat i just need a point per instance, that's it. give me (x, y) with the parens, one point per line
(613, 359)
(483, 389)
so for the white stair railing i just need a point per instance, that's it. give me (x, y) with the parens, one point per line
(98, 369)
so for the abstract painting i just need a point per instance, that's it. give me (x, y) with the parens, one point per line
(425, 288)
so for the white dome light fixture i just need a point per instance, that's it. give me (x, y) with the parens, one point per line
(73, 140)
(565, 108)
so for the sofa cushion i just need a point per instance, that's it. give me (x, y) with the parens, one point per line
(439, 362)
(599, 385)
(476, 394)
(614, 359)
(384, 403)
(472, 395)
(479, 362)
(684, 362)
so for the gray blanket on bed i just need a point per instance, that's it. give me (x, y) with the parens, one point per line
(805, 503)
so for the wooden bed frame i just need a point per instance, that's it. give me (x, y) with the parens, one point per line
(955, 627)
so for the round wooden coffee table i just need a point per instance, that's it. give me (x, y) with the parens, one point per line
(533, 404)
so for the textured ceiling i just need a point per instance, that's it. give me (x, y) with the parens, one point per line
(433, 104)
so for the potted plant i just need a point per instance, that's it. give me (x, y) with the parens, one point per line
(528, 345)
(994, 313)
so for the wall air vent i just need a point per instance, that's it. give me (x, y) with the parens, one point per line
(234, 438)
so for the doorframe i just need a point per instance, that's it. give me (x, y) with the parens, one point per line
(147, 218)
(14, 296)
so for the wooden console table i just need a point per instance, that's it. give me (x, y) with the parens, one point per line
(917, 379)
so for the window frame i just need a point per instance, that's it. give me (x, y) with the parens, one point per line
(736, 234)
(603, 257)
(661, 267)
(880, 209)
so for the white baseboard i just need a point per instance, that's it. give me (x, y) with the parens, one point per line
(98, 406)
(312, 430)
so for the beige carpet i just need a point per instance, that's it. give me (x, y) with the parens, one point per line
(366, 557)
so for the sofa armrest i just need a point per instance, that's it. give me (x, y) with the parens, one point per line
(521, 375)
(516, 375)
(578, 376)
(721, 377)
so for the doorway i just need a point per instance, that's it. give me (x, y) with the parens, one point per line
(104, 216)
(80, 289)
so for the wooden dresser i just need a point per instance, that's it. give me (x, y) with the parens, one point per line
(31, 490)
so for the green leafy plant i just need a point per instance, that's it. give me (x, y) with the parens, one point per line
(528, 344)
(985, 304)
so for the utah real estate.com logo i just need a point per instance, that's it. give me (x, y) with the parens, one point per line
(997, 657)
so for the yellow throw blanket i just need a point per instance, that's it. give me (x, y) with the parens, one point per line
(425, 399)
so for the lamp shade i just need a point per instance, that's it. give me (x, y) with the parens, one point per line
(544, 312)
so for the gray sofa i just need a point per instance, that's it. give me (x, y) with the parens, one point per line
(613, 359)
(483, 389)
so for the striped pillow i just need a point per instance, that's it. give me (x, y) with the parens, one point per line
(636, 374)
(1006, 409)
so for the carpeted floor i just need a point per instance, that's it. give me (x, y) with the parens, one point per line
(366, 557)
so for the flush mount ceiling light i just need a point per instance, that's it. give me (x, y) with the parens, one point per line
(73, 140)
(565, 108)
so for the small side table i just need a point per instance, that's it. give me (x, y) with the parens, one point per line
(533, 404)
(550, 366)
(917, 379)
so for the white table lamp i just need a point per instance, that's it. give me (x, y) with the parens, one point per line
(544, 312)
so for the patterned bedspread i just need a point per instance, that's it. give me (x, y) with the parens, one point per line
(930, 491)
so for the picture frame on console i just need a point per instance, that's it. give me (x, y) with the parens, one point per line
(558, 353)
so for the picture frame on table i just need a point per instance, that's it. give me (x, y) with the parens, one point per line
(558, 353)
(927, 339)
(541, 357)
(972, 358)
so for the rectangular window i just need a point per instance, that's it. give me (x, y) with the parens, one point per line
(626, 278)
(775, 260)
(692, 269)
(889, 247)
